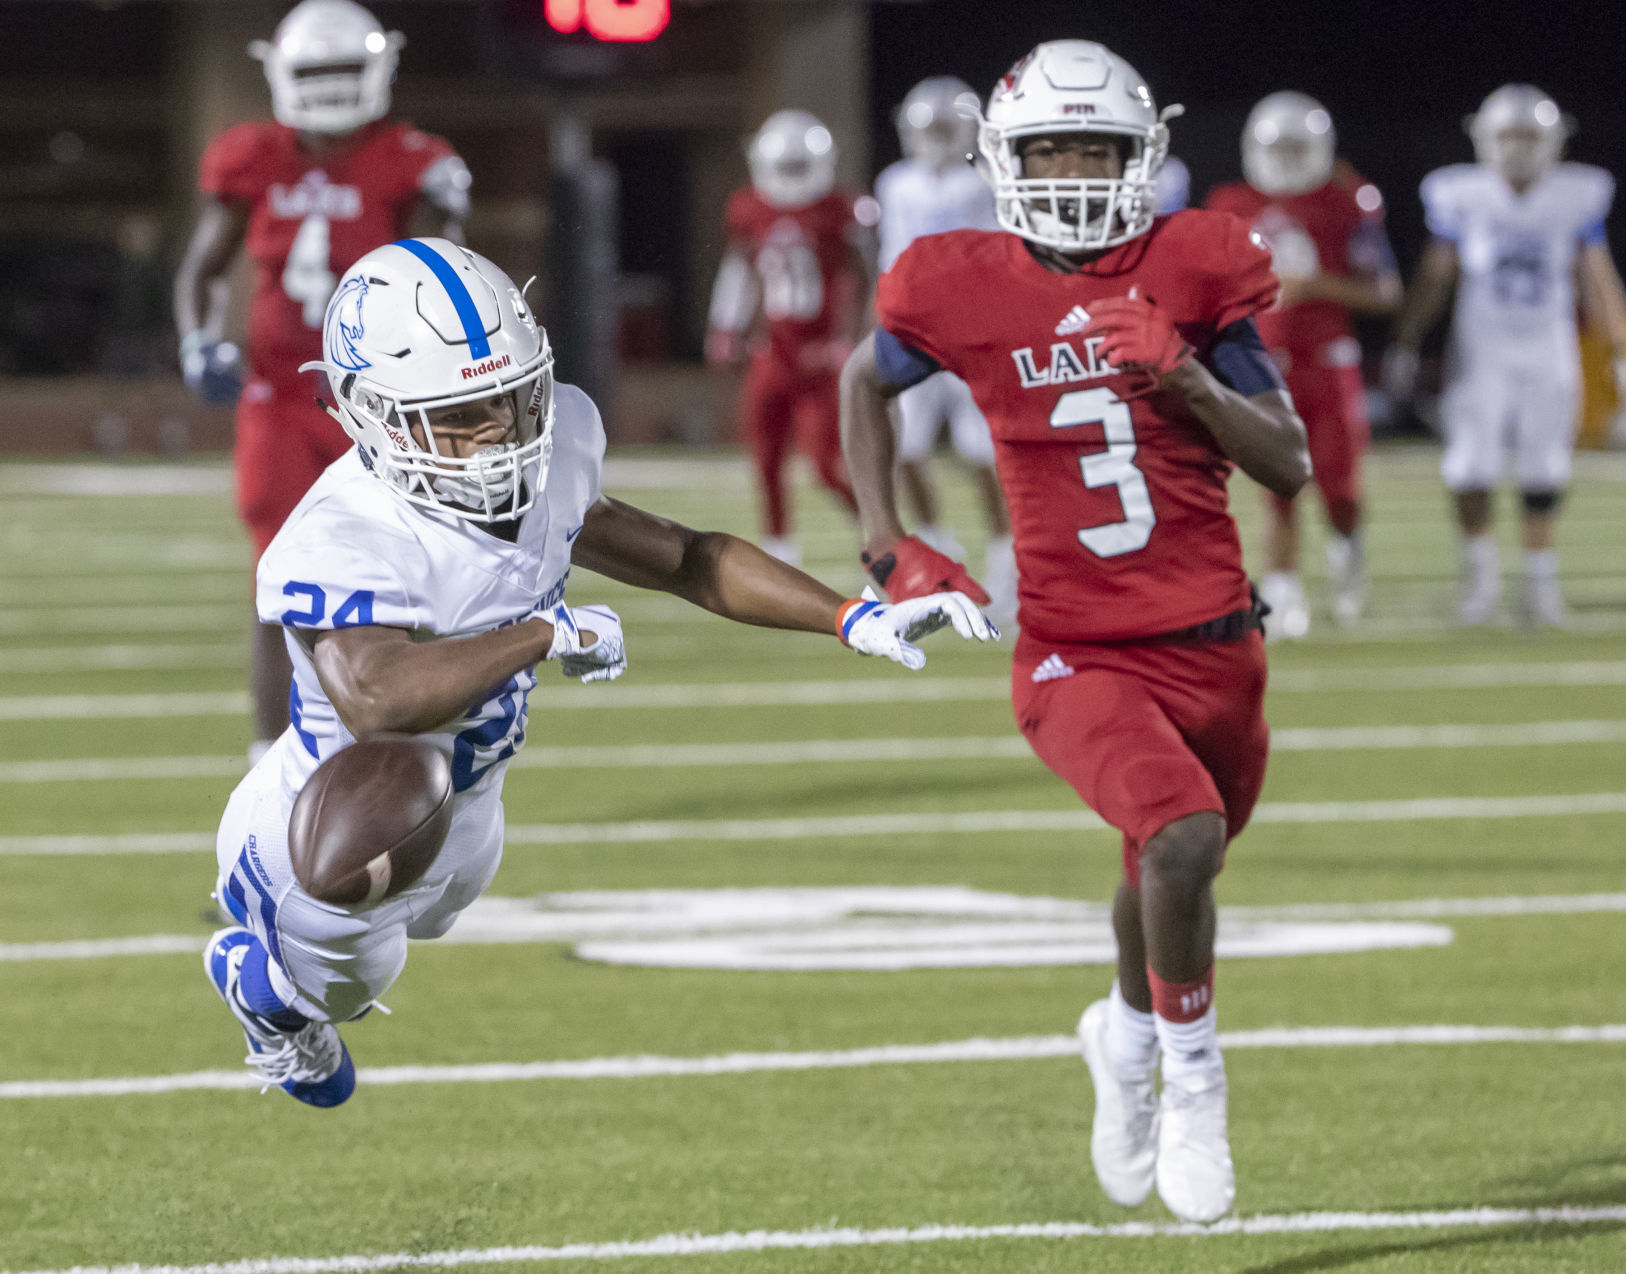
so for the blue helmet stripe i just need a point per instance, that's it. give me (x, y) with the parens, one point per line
(462, 302)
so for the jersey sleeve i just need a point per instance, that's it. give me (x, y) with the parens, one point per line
(329, 572)
(738, 219)
(1442, 204)
(1594, 197)
(436, 171)
(231, 170)
(1224, 199)
(908, 299)
(1245, 281)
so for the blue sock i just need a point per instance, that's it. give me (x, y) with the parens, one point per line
(254, 985)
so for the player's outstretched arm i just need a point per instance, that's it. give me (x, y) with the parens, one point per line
(733, 578)
(211, 366)
(869, 447)
(379, 678)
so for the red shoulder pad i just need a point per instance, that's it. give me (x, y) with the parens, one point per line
(420, 149)
(740, 215)
(918, 289)
(1235, 263)
(1235, 197)
(233, 167)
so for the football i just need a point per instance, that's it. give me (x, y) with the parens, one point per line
(371, 820)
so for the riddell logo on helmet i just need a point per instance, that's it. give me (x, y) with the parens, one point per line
(487, 367)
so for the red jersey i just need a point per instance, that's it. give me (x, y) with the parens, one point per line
(1337, 229)
(310, 218)
(801, 258)
(1118, 507)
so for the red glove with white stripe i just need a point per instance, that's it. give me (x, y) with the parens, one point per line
(1136, 336)
(913, 568)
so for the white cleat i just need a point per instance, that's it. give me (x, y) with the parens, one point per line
(1124, 1139)
(1346, 571)
(1194, 1174)
(1544, 604)
(1479, 607)
(783, 548)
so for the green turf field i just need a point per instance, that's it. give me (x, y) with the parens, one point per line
(619, 1060)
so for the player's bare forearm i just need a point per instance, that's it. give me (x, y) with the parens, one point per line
(1426, 298)
(1262, 435)
(1602, 297)
(713, 570)
(215, 240)
(379, 678)
(869, 447)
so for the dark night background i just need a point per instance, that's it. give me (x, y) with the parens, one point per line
(1397, 78)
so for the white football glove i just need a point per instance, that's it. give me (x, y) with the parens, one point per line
(605, 659)
(873, 627)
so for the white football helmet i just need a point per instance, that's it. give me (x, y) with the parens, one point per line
(793, 160)
(1075, 86)
(1518, 131)
(1287, 145)
(424, 323)
(329, 65)
(937, 121)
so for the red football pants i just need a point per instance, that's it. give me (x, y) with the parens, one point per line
(284, 441)
(1332, 404)
(781, 404)
(1148, 735)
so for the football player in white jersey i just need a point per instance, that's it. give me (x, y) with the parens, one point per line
(424, 572)
(935, 188)
(1511, 232)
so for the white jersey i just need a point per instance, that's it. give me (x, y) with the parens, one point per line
(1516, 296)
(918, 199)
(354, 552)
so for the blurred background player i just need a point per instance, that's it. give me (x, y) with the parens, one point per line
(795, 262)
(1511, 232)
(329, 179)
(934, 188)
(1324, 225)
(1123, 376)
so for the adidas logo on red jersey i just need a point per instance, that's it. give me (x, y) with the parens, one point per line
(1051, 668)
(1076, 321)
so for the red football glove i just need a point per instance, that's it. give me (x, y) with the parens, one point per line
(913, 568)
(1136, 336)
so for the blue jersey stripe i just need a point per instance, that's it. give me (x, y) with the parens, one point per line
(462, 302)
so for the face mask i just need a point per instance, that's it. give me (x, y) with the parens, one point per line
(491, 475)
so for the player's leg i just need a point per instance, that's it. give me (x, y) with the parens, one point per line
(919, 417)
(291, 1043)
(1282, 588)
(1543, 458)
(1472, 409)
(975, 445)
(818, 428)
(766, 407)
(1337, 458)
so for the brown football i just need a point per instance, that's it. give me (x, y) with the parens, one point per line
(370, 820)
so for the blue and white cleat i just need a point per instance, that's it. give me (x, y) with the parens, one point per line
(311, 1064)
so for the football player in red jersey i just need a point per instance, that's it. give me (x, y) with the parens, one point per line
(1115, 356)
(794, 262)
(1324, 225)
(329, 180)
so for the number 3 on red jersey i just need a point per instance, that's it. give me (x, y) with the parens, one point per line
(1114, 467)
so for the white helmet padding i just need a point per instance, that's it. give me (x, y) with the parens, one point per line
(1075, 86)
(421, 324)
(1288, 145)
(329, 65)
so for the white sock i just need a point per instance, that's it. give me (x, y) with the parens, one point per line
(1481, 561)
(1541, 565)
(1191, 1053)
(1345, 553)
(1131, 1036)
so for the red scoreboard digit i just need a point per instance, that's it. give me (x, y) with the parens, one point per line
(623, 20)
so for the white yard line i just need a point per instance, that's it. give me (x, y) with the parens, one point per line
(850, 751)
(832, 1237)
(119, 658)
(1398, 909)
(932, 823)
(645, 1066)
(901, 688)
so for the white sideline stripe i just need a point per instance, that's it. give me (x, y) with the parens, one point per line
(925, 823)
(1019, 1048)
(848, 1237)
(850, 751)
(119, 657)
(1399, 909)
(893, 689)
